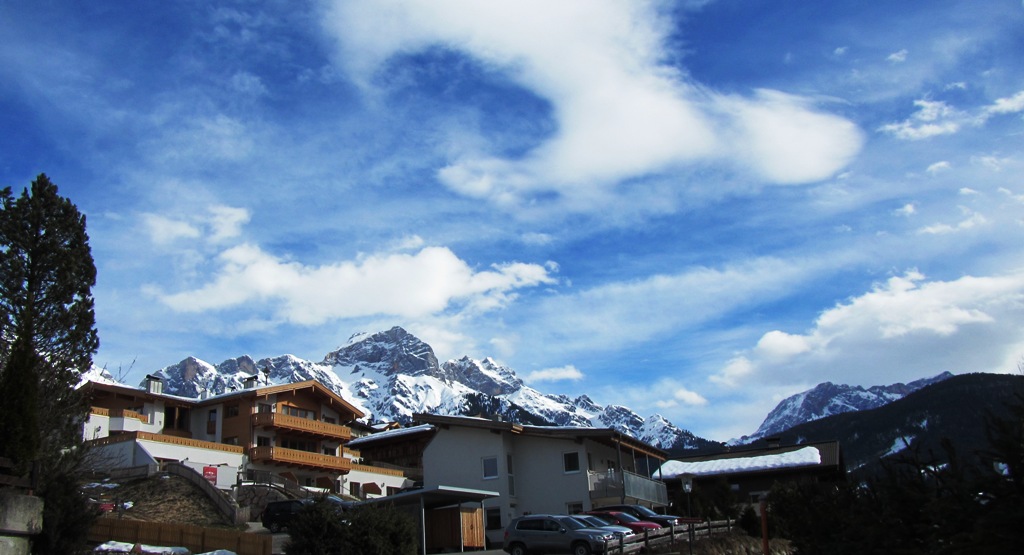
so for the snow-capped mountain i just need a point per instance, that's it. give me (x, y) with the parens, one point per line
(392, 375)
(827, 399)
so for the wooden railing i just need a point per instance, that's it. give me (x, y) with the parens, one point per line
(303, 458)
(670, 536)
(164, 438)
(295, 423)
(118, 413)
(378, 470)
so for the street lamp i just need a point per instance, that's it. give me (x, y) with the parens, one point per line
(688, 487)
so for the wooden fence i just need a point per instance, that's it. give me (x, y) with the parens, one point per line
(194, 538)
(670, 536)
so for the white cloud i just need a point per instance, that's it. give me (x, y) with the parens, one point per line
(904, 328)
(898, 57)
(933, 118)
(425, 283)
(939, 167)
(972, 221)
(1008, 105)
(164, 230)
(534, 238)
(587, 58)
(564, 373)
(906, 210)
(226, 222)
(219, 224)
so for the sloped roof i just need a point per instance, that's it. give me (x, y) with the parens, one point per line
(313, 386)
(607, 436)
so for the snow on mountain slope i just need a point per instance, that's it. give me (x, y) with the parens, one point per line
(392, 375)
(827, 399)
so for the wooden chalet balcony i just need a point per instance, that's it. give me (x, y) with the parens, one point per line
(164, 438)
(118, 413)
(294, 457)
(294, 424)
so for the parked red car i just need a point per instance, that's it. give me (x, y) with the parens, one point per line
(627, 520)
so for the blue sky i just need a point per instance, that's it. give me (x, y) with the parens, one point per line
(688, 208)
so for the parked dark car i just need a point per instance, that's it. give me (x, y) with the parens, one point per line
(278, 514)
(553, 534)
(643, 513)
(629, 521)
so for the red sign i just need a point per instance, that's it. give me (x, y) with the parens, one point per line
(210, 473)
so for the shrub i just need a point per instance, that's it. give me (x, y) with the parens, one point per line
(321, 529)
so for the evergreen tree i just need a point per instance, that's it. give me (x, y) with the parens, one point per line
(47, 339)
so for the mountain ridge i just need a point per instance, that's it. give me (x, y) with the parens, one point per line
(392, 375)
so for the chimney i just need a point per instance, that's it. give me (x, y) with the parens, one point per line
(250, 382)
(154, 384)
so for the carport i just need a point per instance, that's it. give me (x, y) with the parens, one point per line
(448, 518)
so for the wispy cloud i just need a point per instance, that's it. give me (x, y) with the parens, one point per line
(565, 373)
(933, 118)
(412, 286)
(914, 327)
(585, 60)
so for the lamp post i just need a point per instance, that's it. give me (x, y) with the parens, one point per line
(688, 487)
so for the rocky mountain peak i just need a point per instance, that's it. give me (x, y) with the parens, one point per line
(827, 399)
(485, 376)
(388, 353)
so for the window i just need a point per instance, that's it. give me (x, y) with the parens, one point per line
(301, 413)
(299, 445)
(230, 411)
(231, 440)
(490, 468)
(571, 462)
(262, 441)
(511, 476)
(494, 519)
(332, 451)
(264, 407)
(211, 421)
(573, 508)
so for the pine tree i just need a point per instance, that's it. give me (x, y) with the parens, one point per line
(47, 339)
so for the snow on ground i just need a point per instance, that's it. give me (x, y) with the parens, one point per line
(800, 457)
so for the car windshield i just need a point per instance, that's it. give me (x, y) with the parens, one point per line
(626, 517)
(589, 520)
(572, 524)
(645, 511)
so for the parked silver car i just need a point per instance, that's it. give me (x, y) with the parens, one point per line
(593, 521)
(553, 534)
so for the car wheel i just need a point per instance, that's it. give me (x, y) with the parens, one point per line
(517, 549)
(581, 549)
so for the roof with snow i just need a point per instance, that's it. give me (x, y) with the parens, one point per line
(391, 434)
(825, 454)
